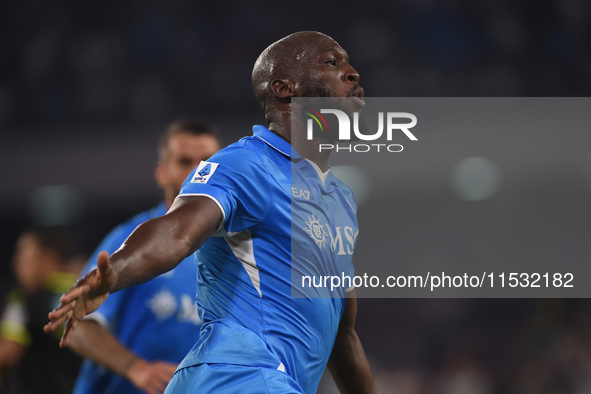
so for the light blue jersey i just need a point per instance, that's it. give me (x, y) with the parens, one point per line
(157, 320)
(244, 271)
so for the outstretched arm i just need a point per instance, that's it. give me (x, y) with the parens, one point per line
(92, 341)
(156, 246)
(348, 364)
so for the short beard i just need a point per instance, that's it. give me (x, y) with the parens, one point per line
(310, 90)
(313, 91)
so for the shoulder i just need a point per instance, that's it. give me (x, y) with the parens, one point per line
(248, 150)
(141, 217)
(125, 228)
(119, 234)
(242, 162)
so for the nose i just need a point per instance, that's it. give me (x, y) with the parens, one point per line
(352, 75)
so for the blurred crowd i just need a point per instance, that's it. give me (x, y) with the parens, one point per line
(64, 61)
(479, 346)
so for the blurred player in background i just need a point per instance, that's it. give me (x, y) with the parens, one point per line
(140, 334)
(235, 211)
(30, 360)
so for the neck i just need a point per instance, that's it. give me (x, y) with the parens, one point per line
(309, 149)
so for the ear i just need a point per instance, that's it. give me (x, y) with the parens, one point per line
(283, 88)
(160, 176)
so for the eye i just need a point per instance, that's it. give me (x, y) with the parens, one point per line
(331, 62)
(185, 162)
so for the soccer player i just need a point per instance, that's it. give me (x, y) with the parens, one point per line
(235, 211)
(141, 333)
(31, 361)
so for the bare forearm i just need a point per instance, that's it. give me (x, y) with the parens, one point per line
(95, 343)
(155, 247)
(149, 251)
(92, 341)
(349, 366)
(158, 245)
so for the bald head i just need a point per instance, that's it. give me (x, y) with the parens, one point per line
(285, 59)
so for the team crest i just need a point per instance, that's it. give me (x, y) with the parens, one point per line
(204, 171)
(316, 231)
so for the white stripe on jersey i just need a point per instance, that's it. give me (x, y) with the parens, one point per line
(241, 245)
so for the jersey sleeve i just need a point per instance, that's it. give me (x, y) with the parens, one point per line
(237, 180)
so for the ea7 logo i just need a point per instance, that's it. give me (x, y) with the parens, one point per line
(345, 125)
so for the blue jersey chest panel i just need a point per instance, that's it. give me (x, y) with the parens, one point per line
(279, 214)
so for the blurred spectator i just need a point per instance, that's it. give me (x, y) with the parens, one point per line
(136, 339)
(30, 360)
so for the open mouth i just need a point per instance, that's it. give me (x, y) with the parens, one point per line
(357, 95)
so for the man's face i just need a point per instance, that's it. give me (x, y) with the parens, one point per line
(184, 153)
(328, 73)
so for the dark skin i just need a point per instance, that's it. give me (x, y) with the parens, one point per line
(160, 244)
(327, 66)
(183, 152)
(155, 247)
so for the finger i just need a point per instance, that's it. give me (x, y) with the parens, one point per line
(103, 263)
(61, 310)
(169, 374)
(80, 289)
(162, 375)
(55, 324)
(155, 390)
(165, 376)
(153, 386)
(161, 386)
(164, 370)
(68, 331)
(59, 315)
(169, 370)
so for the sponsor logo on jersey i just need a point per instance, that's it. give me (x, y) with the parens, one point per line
(204, 171)
(324, 235)
(316, 231)
(300, 193)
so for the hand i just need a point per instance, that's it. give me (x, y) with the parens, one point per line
(151, 377)
(85, 297)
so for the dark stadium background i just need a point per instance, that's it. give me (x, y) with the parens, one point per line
(86, 87)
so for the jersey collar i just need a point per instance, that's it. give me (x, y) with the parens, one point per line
(284, 147)
(274, 141)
